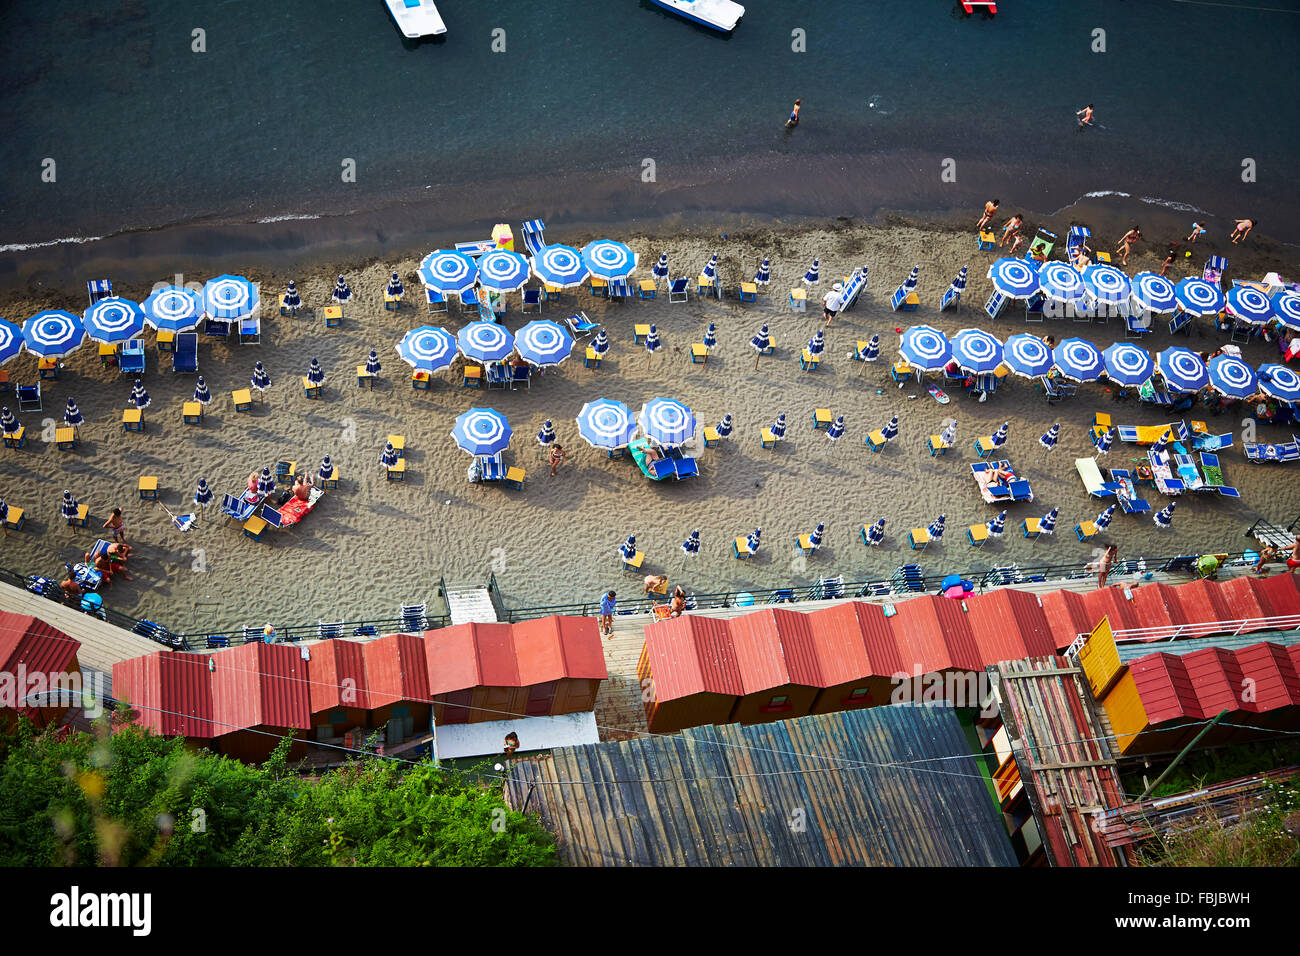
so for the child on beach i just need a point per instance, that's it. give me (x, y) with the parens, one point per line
(990, 210)
(558, 454)
(1242, 229)
(117, 524)
(1012, 228)
(793, 121)
(1197, 231)
(1169, 258)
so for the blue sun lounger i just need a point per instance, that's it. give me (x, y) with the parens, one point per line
(1150, 434)
(1211, 442)
(1127, 497)
(1263, 451)
(1213, 472)
(534, 241)
(186, 356)
(235, 507)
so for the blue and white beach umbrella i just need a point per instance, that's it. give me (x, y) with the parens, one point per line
(778, 427)
(958, 284)
(876, 533)
(1128, 364)
(600, 344)
(341, 292)
(605, 423)
(448, 272)
(608, 259)
(764, 274)
(811, 276)
(817, 343)
(265, 482)
(1249, 304)
(485, 341)
(762, 340)
(292, 300)
(872, 352)
(627, 550)
(752, 540)
(667, 421)
(315, 374)
(72, 414)
(1159, 450)
(1047, 523)
(1014, 278)
(1198, 296)
(815, 539)
(139, 397)
(1103, 519)
(976, 351)
(836, 431)
(996, 525)
(388, 457)
(1165, 516)
(711, 267)
(203, 494)
(261, 380)
(652, 341)
(910, 282)
(69, 507)
(1105, 283)
(394, 287)
(546, 436)
(1232, 377)
(8, 421)
(724, 426)
(660, 270)
(1280, 382)
(711, 337)
(202, 394)
(691, 546)
(481, 431)
(560, 266)
(1182, 369)
(1286, 306)
(999, 437)
(173, 308)
(326, 472)
(372, 360)
(502, 270)
(1079, 360)
(935, 530)
(53, 333)
(1153, 293)
(542, 342)
(1027, 355)
(1060, 281)
(1048, 438)
(925, 348)
(1105, 440)
(113, 320)
(11, 341)
(428, 348)
(890, 431)
(230, 298)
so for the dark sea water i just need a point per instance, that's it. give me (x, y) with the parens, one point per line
(448, 135)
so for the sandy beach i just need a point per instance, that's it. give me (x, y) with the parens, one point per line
(372, 544)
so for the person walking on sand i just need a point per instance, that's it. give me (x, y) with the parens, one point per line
(117, 524)
(1242, 229)
(607, 615)
(1126, 244)
(1085, 116)
(990, 210)
(1169, 258)
(558, 454)
(832, 302)
(1105, 564)
(1197, 231)
(793, 121)
(1012, 228)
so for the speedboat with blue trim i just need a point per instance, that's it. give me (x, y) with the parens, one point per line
(720, 15)
(417, 18)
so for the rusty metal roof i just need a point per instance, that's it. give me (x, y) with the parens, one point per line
(170, 693)
(260, 685)
(29, 645)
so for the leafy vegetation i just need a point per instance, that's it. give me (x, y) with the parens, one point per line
(123, 796)
(1204, 767)
(1266, 838)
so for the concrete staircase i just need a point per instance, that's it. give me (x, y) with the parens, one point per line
(471, 605)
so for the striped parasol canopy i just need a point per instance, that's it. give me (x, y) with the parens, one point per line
(1280, 382)
(691, 546)
(481, 431)
(660, 270)
(53, 333)
(764, 274)
(1182, 369)
(372, 360)
(502, 270)
(1105, 440)
(724, 426)
(395, 288)
(1165, 516)
(1060, 281)
(341, 292)
(485, 341)
(1049, 438)
(996, 525)
(8, 421)
(1014, 278)
(872, 352)
(1105, 283)
(11, 341)
(1198, 297)
(752, 540)
(292, 300)
(811, 277)
(762, 340)
(1128, 364)
(817, 344)
(1047, 523)
(876, 533)
(815, 539)
(836, 431)
(652, 340)
(1079, 360)
(560, 266)
(910, 282)
(999, 437)
(113, 320)
(1232, 377)
(139, 397)
(711, 267)
(230, 298)
(608, 259)
(890, 431)
(1249, 304)
(711, 337)
(388, 457)
(958, 284)
(1103, 519)
(1027, 355)
(976, 351)
(605, 423)
(666, 421)
(600, 344)
(448, 272)
(265, 482)
(174, 308)
(72, 414)
(542, 343)
(546, 436)
(1286, 306)
(69, 507)
(777, 427)
(1153, 293)
(203, 494)
(261, 380)
(627, 550)
(326, 471)
(925, 347)
(315, 374)
(936, 527)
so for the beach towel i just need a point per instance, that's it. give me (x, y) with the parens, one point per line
(295, 508)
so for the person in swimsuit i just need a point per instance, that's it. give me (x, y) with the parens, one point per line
(678, 603)
(990, 210)
(1169, 259)
(1085, 116)
(793, 121)
(117, 524)
(1197, 231)
(1105, 564)
(1242, 229)
(558, 454)
(1125, 245)
(1012, 228)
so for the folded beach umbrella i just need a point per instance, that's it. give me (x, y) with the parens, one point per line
(1159, 449)
(372, 361)
(113, 320)
(925, 348)
(1182, 369)
(547, 435)
(1249, 304)
(724, 426)
(203, 494)
(486, 341)
(173, 308)
(1060, 281)
(711, 337)
(1165, 516)
(660, 270)
(935, 530)
(752, 542)
(1105, 283)
(265, 482)
(1103, 519)
(890, 431)
(1104, 441)
(394, 287)
(72, 414)
(811, 276)
(139, 397)
(4, 513)
(292, 300)
(1232, 377)
(1049, 438)
(1079, 360)
(999, 437)
(976, 351)
(666, 421)
(815, 539)
(876, 533)
(1014, 278)
(777, 427)
(560, 266)
(605, 423)
(817, 344)
(502, 270)
(448, 272)
(627, 550)
(910, 282)
(836, 431)
(1286, 306)
(315, 374)
(762, 340)
(53, 333)
(326, 472)
(1027, 355)
(691, 546)
(429, 348)
(1198, 297)
(388, 457)
(958, 284)
(341, 293)
(608, 259)
(481, 431)
(260, 380)
(69, 507)
(600, 344)
(872, 352)
(11, 341)
(996, 525)
(652, 343)
(1280, 382)
(1153, 293)
(9, 421)
(1128, 364)
(1047, 523)
(230, 298)
(764, 274)
(949, 434)
(711, 267)
(542, 342)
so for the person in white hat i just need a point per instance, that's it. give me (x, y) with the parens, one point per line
(832, 302)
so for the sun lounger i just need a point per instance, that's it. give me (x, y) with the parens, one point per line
(1148, 394)
(1150, 434)
(1092, 480)
(295, 509)
(686, 468)
(1162, 473)
(579, 324)
(1126, 494)
(1018, 489)
(250, 331)
(1185, 468)
(1201, 442)
(679, 290)
(1055, 389)
(186, 356)
(1213, 472)
(534, 241)
(477, 247)
(131, 359)
(1263, 451)
(29, 397)
(237, 508)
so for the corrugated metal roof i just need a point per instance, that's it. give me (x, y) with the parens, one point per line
(1173, 687)
(1280, 593)
(1230, 642)
(1008, 625)
(396, 670)
(1276, 683)
(338, 676)
(759, 654)
(29, 644)
(261, 685)
(558, 647)
(692, 655)
(840, 643)
(1216, 676)
(889, 786)
(523, 654)
(1204, 601)
(170, 693)
(1164, 687)
(1239, 593)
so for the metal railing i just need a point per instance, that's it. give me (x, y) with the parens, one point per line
(1174, 632)
(149, 629)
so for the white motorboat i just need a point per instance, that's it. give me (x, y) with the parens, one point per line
(416, 18)
(716, 14)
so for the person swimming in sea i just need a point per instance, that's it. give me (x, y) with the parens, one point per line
(1085, 116)
(793, 121)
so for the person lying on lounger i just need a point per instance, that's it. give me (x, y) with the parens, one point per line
(1000, 476)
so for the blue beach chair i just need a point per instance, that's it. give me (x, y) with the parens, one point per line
(186, 356)
(131, 359)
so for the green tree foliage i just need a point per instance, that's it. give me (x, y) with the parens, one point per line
(122, 796)
(1265, 838)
